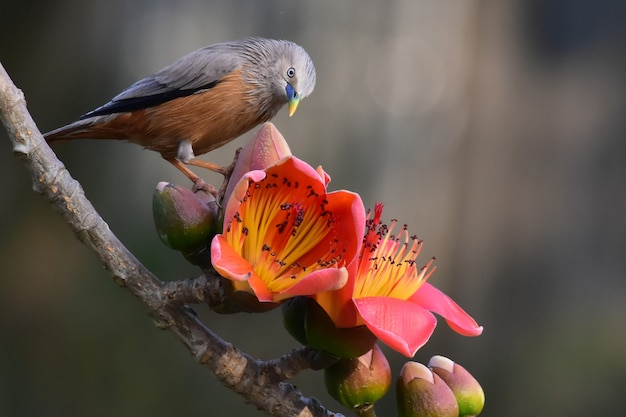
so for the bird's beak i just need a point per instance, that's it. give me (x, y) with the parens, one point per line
(293, 104)
(293, 97)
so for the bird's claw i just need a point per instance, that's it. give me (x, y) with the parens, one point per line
(200, 185)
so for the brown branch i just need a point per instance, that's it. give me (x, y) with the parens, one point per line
(258, 382)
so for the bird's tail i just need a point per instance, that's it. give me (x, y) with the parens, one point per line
(91, 128)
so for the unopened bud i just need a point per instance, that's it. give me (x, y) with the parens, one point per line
(184, 220)
(263, 150)
(468, 392)
(359, 382)
(421, 393)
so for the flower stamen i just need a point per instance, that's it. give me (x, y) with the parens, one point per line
(387, 266)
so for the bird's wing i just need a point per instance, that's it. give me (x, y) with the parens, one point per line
(198, 71)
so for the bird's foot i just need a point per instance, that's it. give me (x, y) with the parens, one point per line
(200, 185)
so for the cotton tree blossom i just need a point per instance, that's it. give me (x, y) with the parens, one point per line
(284, 235)
(388, 292)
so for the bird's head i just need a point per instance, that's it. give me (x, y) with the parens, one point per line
(290, 70)
(281, 69)
(297, 72)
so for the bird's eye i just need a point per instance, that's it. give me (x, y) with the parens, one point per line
(291, 72)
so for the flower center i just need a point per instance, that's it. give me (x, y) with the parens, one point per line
(387, 265)
(280, 228)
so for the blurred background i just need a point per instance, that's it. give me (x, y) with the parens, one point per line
(495, 130)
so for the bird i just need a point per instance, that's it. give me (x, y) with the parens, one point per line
(202, 101)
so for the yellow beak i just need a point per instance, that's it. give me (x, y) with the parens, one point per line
(293, 105)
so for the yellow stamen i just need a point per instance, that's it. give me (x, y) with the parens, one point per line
(387, 266)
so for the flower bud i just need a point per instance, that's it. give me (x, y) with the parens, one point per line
(422, 393)
(309, 324)
(468, 392)
(184, 220)
(358, 383)
(265, 148)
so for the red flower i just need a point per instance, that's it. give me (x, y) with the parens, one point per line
(285, 235)
(388, 293)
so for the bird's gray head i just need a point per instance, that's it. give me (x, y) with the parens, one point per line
(291, 70)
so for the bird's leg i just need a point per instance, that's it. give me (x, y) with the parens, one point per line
(185, 154)
(198, 183)
(225, 171)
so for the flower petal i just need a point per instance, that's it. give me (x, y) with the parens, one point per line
(323, 174)
(350, 216)
(227, 262)
(436, 301)
(264, 149)
(281, 225)
(238, 193)
(263, 294)
(348, 225)
(338, 304)
(328, 279)
(402, 325)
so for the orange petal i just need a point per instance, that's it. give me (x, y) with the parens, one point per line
(227, 262)
(260, 289)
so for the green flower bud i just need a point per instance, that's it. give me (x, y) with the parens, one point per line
(421, 393)
(294, 314)
(358, 383)
(309, 324)
(184, 220)
(468, 392)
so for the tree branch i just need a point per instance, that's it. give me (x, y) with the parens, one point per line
(258, 382)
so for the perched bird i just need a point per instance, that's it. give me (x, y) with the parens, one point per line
(202, 101)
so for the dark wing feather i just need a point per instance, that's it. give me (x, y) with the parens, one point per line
(198, 71)
(143, 102)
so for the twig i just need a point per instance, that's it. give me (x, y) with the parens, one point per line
(258, 382)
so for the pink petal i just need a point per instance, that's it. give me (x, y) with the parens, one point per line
(263, 150)
(402, 325)
(238, 193)
(323, 175)
(436, 301)
(327, 279)
(227, 262)
(350, 216)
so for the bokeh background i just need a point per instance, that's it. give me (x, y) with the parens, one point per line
(495, 130)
